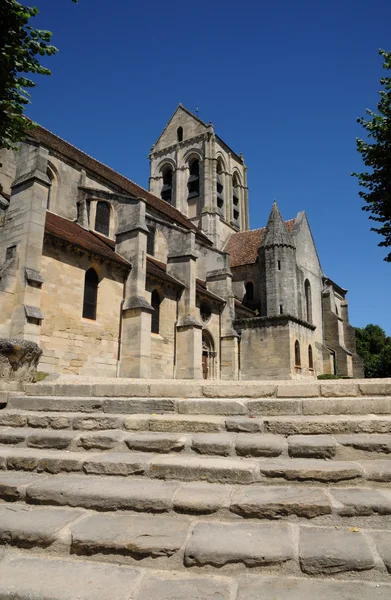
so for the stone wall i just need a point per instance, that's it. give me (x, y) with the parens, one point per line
(70, 343)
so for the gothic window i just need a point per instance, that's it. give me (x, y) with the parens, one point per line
(102, 218)
(220, 186)
(166, 193)
(151, 241)
(249, 297)
(205, 311)
(297, 354)
(310, 357)
(179, 133)
(155, 303)
(193, 183)
(235, 198)
(90, 294)
(308, 300)
(51, 189)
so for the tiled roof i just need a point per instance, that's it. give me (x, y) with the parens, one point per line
(243, 246)
(71, 232)
(52, 141)
(157, 269)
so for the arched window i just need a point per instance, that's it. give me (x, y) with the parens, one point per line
(155, 303)
(90, 294)
(179, 134)
(151, 241)
(249, 297)
(220, 186)
(51, 189)
(166, 193)
(297, 354)
(310, 357)
(235, 198)
(102, 218)
(193, 183)
(308, 300)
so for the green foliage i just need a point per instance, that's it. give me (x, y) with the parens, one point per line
(374, 347)
(40, 376)
(21, 48)
(376, 154)
(330, 376)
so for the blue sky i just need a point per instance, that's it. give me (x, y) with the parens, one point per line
(283, 82)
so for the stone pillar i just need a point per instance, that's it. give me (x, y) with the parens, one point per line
(24, 235)
(220, 283)
(136, 311)
(182, 266)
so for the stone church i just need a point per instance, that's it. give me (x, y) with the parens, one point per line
(113, 280)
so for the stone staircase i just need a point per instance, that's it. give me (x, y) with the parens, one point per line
(116, 489)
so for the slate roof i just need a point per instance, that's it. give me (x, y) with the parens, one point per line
(52, 141)
(71, 232)
(243, 246)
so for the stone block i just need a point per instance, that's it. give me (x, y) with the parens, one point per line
(138, 536)
(54, 461)
(211, 406)
(382, 540)
(377, 470)
(252, 544)
(12, 419)
(328, 424)
(121, 388)
(187, 424)
(326, 551)
(13, 484)
(346, 406)
(361, 501)
(155, 442)
(262, 444)
(239, 390)
(339, 389)
(106, 440)
(201, 498)
(117, 463)
(293, 469)
(138, 405)
(13, 436)
(244, 424)
(176, 390)
(45, 421)
(96, 422)
(274, 407)
(368, 442)
(169, 586)
(207, 468)
(375, 388)
(266, 502)
(50, 439)
(297, 390)
(312, 446)
(213, 443)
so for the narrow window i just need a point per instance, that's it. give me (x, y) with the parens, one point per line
(10, 252)
(279, 265)
(90, 294)
(297, 354)
(166, 193)
(220, 186)
(310, 358)
(308, 300)
(281, 310)
(179, 133)
(249, 292)
(102, 218)
(50, 175)
(193, 183)
(151, 241)
(155, 303)
(235, 198)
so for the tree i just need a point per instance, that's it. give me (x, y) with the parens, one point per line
(376, 155)
(21, 47)
(374, 347)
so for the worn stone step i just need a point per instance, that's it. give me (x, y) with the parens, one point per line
(331, 424)
(179, 541)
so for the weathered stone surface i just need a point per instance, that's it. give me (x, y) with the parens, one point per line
(264, 502)
(311, 446)
(253, 544)
(96, 422)
(346, 406)
(244, 424)
(189, 423)
(120, 388)
(328, 424)
(176, 389)
(105, 440)
(13, 484)
(290, 588)
(362, 501)
(25, 526)
(336, 389)
(274, 407)
(117, 463)
(40, 421)
(328, 550)
(50, 439)
(56, 404)
(55, 461)
(211, 406)
(28, 578)
(21, 459)
(138, 405)
(377, 470)
(240, 390)
(18, 359)
(13, 436)
(374, 442)
(213, 443)
(307, 469)
(155, 442)
(377, 387)
(382, 540)
(12, 419)
(262, 444)
(207, 468)
(172, 586)
(129, 535)
(201, 498)
(136, 423)
(297, 390)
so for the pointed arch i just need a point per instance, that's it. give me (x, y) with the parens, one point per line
(310, 358)
(297, 354)
(102, 218)
(308, 300)
(155, 303)
(90, 299)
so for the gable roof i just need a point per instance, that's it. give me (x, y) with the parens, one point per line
(243, 247)
(52, 141)
(70, 232)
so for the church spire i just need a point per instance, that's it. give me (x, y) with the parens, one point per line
(276, 233)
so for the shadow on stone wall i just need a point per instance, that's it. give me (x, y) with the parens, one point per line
(18, 359)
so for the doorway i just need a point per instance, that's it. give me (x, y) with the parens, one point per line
(208, 356)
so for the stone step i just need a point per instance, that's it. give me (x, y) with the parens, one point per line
(24, 576)
(205, 406)
(346, 447)
(181, 541)
(367, 506)
(191, 467)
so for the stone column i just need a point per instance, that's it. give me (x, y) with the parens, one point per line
(220, 283)
(136, 311)
(182, 266)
